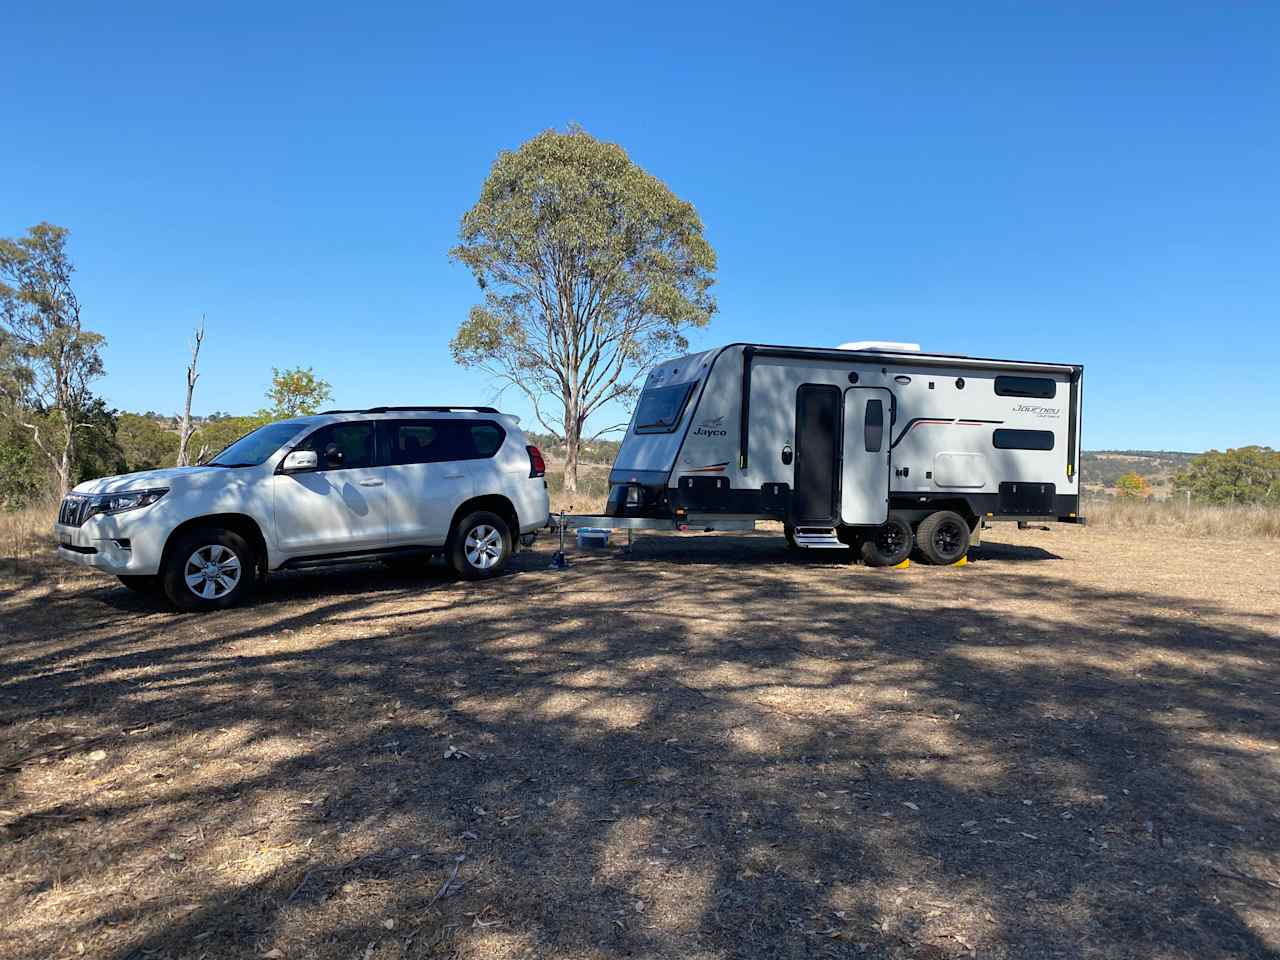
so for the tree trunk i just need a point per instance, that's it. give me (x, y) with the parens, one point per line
(184, 432)
(64, 466)
(572, 445)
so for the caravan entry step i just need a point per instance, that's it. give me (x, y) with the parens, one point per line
(819, 538)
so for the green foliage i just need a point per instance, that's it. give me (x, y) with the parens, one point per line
(213, 436)
(592, 270)
(98, 453)
(593, 451)
(1133, 485)
(145, 443)
(47, 359)
(296, 392)
(1243, 475)
(24, 473)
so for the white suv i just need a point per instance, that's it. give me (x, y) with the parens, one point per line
(388, 483)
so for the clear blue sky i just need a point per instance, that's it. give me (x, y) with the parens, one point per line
(1098, 184)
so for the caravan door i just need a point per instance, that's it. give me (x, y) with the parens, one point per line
(815, 494)
(864, 499)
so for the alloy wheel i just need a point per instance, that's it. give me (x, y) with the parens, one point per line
(212, 571)
(483, 546)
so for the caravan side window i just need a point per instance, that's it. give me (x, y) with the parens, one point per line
(873, 426)
(1023, 439)
(1039, 388)
(660, 409)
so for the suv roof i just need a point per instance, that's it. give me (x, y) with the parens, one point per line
(441, 409)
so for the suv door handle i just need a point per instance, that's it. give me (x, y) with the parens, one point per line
(454, 476)
(370, 483)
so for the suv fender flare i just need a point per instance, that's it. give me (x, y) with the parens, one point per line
(241, 523)
(494, 503)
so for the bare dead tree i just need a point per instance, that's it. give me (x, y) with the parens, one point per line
(184, 432)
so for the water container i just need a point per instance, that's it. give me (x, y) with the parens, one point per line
(593, 538)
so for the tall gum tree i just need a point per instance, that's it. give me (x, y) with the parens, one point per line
(592, 269)
(52, 359)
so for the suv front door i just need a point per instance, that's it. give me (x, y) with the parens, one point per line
(340, 507)
(427, 478)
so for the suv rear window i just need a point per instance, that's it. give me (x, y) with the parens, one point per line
(661, 408)
(440, 441)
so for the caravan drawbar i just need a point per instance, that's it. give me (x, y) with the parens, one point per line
(873, 447)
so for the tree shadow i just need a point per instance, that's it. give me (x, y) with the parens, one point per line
(674, 756)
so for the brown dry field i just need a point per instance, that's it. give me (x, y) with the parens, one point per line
(708, 749)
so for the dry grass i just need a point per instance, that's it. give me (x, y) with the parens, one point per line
(25, 533)
(1218, 522)
(593, 488)
(708, 749)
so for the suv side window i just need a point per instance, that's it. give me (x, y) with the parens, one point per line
(421, 441)
(342, 446)
(441, 441)
(486, 438)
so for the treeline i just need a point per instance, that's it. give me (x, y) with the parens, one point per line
(1105, 467)
(54, 430)
(591, 451)
(1244, 476)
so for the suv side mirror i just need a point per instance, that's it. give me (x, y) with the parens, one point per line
(298, 461)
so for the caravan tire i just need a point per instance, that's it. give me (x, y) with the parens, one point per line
(789, 532)
(889, 545)
(943, 537)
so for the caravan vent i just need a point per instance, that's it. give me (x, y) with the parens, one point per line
(880, 346)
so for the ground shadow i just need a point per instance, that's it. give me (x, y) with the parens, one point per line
(672, 756)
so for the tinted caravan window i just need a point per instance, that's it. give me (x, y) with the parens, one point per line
(660, 409)
(1023, 439)
(873, 426)
(1040, 388)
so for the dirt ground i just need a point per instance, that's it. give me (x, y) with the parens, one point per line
(709, 749)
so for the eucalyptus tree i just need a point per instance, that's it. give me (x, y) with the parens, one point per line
(50, 359)
(592, 269)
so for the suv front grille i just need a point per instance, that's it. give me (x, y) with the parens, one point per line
(73, 510)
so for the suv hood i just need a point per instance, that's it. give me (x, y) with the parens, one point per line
(147, 479)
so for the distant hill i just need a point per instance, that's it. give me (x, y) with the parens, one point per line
(1099, 469)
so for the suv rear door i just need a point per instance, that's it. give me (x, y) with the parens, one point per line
(340, 507)
(427, 477)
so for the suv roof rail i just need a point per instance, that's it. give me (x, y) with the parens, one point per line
(436, 409)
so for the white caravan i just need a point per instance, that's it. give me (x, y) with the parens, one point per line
(872, 446)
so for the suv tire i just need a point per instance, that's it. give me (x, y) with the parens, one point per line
(479, 546)
(208, 569)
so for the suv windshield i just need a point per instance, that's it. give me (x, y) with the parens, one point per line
(253, 448)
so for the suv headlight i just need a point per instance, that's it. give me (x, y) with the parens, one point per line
(120, 502)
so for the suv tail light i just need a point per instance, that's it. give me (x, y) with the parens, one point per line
(537, 466)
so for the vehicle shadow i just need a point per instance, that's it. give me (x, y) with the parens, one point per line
(669, 757)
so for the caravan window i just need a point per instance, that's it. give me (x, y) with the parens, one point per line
(1023, 439)
(661, 408)
(1040, 388)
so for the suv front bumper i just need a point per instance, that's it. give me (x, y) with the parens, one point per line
(99, 543)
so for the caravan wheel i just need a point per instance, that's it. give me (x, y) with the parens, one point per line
(943, 537)
(889, 544)
(789, 532)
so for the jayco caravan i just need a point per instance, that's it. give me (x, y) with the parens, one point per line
(875, 447)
